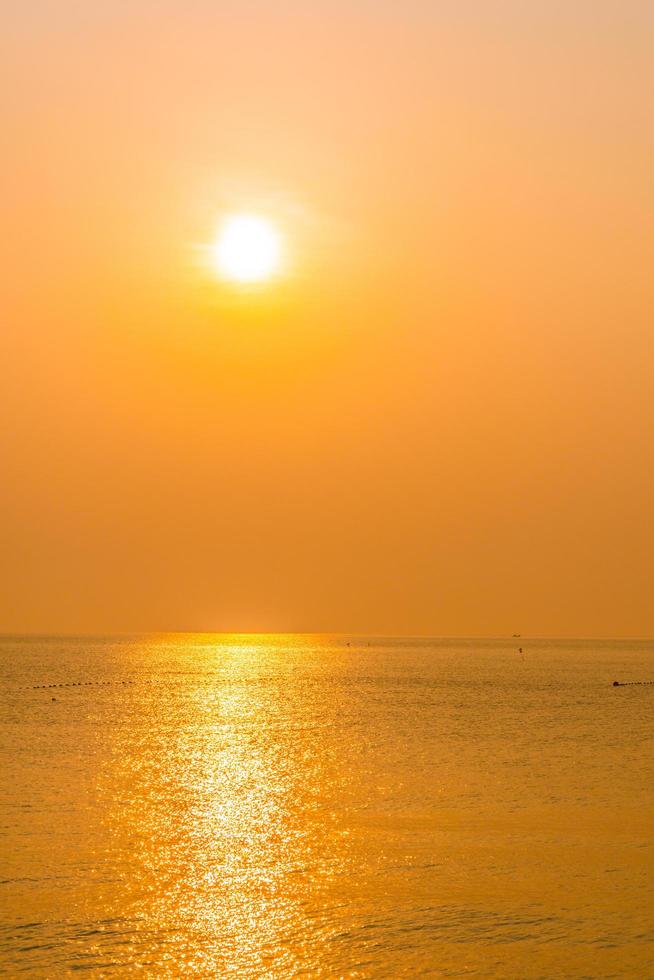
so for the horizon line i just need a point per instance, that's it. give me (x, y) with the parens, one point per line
(380, 636)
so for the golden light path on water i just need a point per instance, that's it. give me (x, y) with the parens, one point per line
(230, 825)
(281, 806)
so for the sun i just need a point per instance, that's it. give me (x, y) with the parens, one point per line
(247, 249)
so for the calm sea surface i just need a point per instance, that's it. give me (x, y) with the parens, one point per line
(282, 806)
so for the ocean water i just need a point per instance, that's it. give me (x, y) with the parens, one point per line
(316, 806)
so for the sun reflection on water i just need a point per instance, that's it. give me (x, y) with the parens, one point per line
(226, 841)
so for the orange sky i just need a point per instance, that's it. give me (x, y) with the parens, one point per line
(439, 422)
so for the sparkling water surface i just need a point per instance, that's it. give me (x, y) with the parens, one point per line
(316, 806)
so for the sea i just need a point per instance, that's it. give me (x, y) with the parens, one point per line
(273, 806)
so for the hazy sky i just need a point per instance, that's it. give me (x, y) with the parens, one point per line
(441, 420)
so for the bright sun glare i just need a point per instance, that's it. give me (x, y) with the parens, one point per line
(248, 249)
